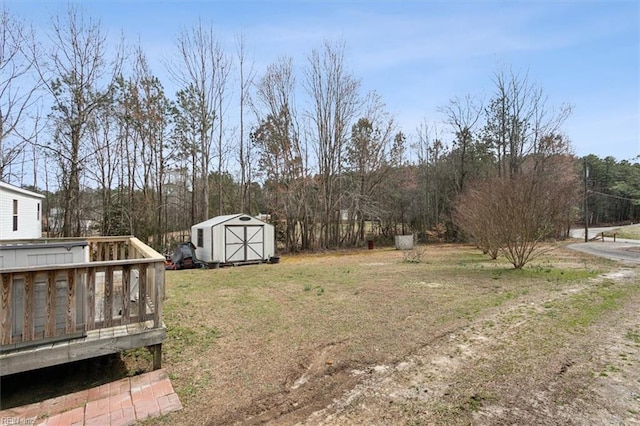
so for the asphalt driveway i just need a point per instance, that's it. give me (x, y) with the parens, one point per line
(622, 250)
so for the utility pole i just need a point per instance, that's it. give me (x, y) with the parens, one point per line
(586, 212)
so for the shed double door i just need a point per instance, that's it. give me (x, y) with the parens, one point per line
(243, 243)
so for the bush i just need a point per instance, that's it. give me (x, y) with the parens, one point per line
(414, 255)
(512, 215)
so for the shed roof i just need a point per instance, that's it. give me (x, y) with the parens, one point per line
(18, 190)
(221, 219)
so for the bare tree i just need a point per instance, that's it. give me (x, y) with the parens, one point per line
(529, 197)
(463, 115)
(370, 154)
(223, 149)
(104, 166)
(244, 150)
(17, 88)
(433, 188)
(202, 70)
(335, 101)
(282, 157)
(517, 120)
(142, 118)
(80, 78)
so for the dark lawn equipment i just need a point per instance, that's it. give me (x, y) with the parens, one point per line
(183, 257)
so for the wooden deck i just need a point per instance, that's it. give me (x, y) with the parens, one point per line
(55, 314)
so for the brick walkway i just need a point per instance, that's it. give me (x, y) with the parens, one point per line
(117, 404)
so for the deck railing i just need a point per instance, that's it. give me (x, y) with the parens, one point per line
(121, 284)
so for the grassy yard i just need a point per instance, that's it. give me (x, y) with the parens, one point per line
(254, 343)
(367, 337)
(629, 232)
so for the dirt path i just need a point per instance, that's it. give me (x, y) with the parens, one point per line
(487, 373)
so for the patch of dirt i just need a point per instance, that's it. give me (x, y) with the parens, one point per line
(620, 274)
(310, 387)
(594, 380)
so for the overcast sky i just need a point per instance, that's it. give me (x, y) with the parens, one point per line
(420, 54)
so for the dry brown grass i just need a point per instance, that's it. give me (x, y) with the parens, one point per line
(367, 337)
(278, 342)
(630, 232)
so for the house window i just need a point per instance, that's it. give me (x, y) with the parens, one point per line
(38, 213)
(200, 237)
(15, 215)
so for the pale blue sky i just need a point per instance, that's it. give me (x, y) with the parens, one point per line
(420, 54)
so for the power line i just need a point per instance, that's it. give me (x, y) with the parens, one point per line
(613, 196)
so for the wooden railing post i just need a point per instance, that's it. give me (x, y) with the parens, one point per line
(126, 296)
(70, 320)
(90, 311)
(108, 297)
(50, 327)
(158, 283)
(29, 306)
(142, 293)
(123, 250)
(5, 313)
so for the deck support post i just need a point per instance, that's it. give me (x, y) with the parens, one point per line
(156, 351)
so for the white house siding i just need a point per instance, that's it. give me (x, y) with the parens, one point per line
(29, 213)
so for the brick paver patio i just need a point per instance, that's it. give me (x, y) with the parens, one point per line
(119, 403)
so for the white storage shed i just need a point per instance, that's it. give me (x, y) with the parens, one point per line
(233, 239)
(20, 213)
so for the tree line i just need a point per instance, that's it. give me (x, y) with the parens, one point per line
(304, 143)
(612, 190)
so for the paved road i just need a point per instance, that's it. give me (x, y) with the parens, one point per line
(622, 250)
